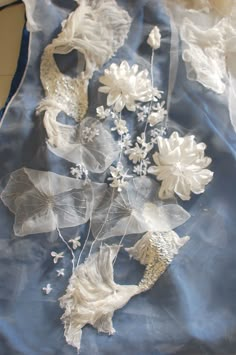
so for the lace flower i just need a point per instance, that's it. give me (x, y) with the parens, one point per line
(125, 141)
(180, 165)
(118, 177)
(89, 133)
(140, 151)
(102, 113)
(158, 115)
(124, 86)
(79, 172)
(120, 127)
(142, 168)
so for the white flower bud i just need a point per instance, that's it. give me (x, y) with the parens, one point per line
(154, 38)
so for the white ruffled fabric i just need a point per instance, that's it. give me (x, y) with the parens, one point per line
(92, 296)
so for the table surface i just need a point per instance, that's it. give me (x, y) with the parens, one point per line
(11, 24)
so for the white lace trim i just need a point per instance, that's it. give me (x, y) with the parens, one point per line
(206, 53)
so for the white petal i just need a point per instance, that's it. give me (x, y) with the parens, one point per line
(164, 218)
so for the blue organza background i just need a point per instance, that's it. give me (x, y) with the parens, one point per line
(191, 310)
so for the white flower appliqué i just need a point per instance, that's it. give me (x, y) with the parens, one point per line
(124, 86)
(120, 127)
(180, 165)
(57, 256)
(79, 172)
(125, 141)
(154, 38)
(89, 133)
(48, 289)
(158, 115)
(75, 243)
(60, 272)
(140, 151)
(118, 177)
(102, 113)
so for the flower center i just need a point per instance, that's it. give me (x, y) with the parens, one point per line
(178, 169)
(50, 201)
(126, 86)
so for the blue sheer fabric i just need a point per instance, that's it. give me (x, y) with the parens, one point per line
(191, 310)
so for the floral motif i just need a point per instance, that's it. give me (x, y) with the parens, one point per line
(158, 115)
(154, 38)
(142, 168)
(79, 172)
(156, 132)
(118, 177)
(60, 272)
(120, 127)
(102, 113)
(75, 243)
(181, 166)
(44, 201)
(57, 256)
(89, 133)
(125, 141)
(48, 289)
(124, 86)
(139, 152)
(143, 111)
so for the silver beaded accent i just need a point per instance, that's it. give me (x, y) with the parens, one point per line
(156, 251)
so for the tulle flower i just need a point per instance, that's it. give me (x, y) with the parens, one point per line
(124, 86)
(181, 166)
(43, 201)
(134, 210)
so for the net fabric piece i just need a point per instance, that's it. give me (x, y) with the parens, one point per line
(129, 213)
(207, 31)
(67, 94)
(206, 53)
(96, 154)
(43, 201)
